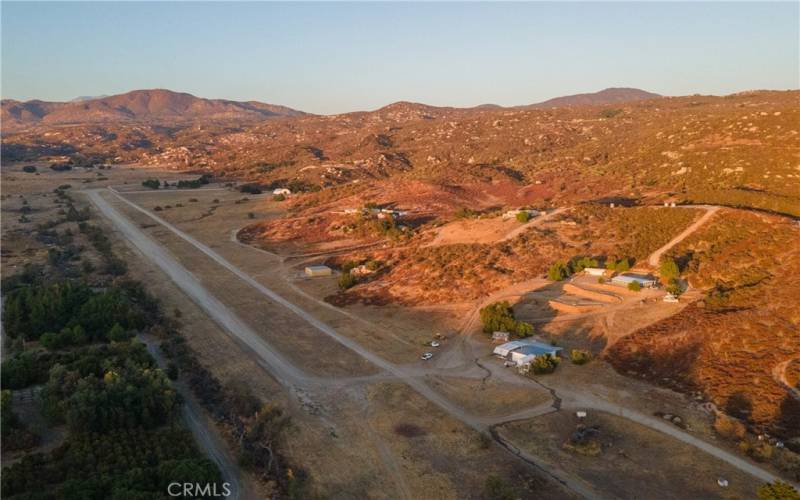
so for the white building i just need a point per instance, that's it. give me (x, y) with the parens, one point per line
(594, 271)
(283, 191)
(313, 271)
(522, 352)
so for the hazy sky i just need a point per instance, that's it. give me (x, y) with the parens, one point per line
(335, 57)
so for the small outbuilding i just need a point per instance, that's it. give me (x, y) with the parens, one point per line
(314, 271)
(500, 336)
(595, 271)
(281, 191)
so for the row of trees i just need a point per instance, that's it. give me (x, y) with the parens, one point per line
(72, 309)
(499, 317)
(181, 184)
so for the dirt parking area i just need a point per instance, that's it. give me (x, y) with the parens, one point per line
(631, 461)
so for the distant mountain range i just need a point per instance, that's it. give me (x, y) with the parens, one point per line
(150, 106)
(159, 106)
(607, 96)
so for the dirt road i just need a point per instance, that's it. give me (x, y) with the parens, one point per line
(205, 435)
(535, 222)
(275, 364)
(289, 375)
(655, 257)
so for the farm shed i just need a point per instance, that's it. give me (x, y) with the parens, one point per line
(627, 278)
(313, 271)
(522, 352)
(500, 336)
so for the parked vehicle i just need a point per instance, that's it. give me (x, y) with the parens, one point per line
(435, 343)
(427, 356)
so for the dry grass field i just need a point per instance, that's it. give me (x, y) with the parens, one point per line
(625, 460)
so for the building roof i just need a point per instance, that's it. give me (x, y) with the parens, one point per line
(536, 349)
(318, 268)
(630, 278)
(526, 347)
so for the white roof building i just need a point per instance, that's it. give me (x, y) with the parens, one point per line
(594, 271)
(318, 271)
(282, 191)
(522, 352)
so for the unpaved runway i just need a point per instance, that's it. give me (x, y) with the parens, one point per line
(288, 374)
(284, 372)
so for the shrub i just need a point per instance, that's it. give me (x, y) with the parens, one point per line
(157, 208)
(558, 271)
(634, 286)
(610, 113)
(251, 215)
(250, 189)
(622, 266)
(674, 288)
(778, 491)
(580, 356)
(346, 280)
(496, 489)
(669, 270)
(279, 197)
(582, 263)
(29, 169)
(523, 216)
(729, 427)
(152, 183)
(465, 213)
(544, 364)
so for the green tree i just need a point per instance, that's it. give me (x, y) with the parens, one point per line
(544, 364)
(669, 270)
(346, 280)
(152, 183)
(523, 216)
(622, 266)
(634, 286)
(558, 271)
(778, 490)
(118, 333)
(580, 356)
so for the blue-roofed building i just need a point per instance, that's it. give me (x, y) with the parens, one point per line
(645, 281)
(522, 352)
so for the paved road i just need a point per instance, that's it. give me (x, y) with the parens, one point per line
(655, 257)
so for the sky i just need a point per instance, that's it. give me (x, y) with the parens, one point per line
(338, 57)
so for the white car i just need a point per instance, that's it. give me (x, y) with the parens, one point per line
(427, 356)
(435, 343)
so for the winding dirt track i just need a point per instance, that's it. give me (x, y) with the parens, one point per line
(284, 372)
(292, 377)
(655, 257)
